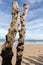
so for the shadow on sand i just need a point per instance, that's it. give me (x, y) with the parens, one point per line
(33, 60)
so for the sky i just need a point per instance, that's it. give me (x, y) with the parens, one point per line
(34, 21)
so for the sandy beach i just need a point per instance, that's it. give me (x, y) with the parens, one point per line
(32, 55)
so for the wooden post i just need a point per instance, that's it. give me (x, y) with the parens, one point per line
(20, 46)
(7, 53)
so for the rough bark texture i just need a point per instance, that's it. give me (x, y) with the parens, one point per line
(7, 53)
(20, 46)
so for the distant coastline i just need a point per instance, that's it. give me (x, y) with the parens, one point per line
(26, 41)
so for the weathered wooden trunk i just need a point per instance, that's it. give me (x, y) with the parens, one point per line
(7, 52)
(20, 46)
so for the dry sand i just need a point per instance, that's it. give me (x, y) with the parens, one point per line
(32, 55)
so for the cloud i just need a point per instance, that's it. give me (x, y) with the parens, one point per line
(34, 29)
(3, 32)
(33, 35)
(32, 1)
(33, 25)
(5, 19)
(34, 14)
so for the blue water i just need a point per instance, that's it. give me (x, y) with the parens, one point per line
(26, 41)
(34, 41)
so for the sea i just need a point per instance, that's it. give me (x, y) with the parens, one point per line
(2, 41)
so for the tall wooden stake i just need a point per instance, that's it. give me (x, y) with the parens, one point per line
(20, 46)
(7, 53)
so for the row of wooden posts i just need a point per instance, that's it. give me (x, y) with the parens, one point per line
(7, 52)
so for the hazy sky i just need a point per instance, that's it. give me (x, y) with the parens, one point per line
(34, 23)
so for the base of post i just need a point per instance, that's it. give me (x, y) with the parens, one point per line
(18, 62)
(7, 55)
